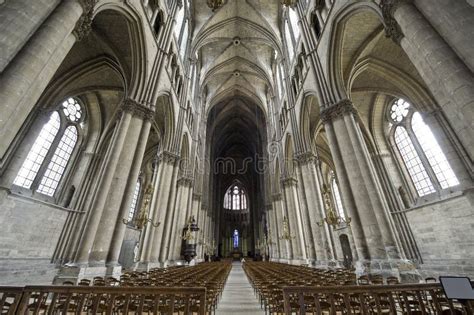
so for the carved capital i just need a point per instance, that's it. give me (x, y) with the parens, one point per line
(137, 109)
(306, 158)
(185, 181)
(168, 157)
(392, 29)
(337, 110)
(288, 181)
(84, 24)
(196, 196)
(276, 197)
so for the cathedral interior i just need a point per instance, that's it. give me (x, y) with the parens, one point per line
(296, 136)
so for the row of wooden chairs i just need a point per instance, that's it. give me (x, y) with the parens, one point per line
(211, 276)
(368, 294)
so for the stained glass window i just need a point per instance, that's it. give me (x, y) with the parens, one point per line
(236, 239)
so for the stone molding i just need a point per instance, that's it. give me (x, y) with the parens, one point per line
(197, 196)
(337, 110)
(137, 109)
(392, 29)
(84, 24)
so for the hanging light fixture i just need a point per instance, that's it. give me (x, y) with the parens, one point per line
(332, 218)
(215, 4)
(142, 218)
(289, 3)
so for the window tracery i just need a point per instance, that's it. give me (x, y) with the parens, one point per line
(423, 158)
(47, 160)
(235, 198)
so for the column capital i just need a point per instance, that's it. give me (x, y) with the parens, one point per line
(185, 181)
(84, 24)
(268, 207)
(289, 181)
(336, 110)
(276, 197)
(197, 196)
(392, 29)
(306, 158)
(137, 109)
(168, 157)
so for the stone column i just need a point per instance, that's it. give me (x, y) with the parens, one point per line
(28, 74)
(359, 185)
(315, 205)
(105, 180)
(294, 218)
(447, 77)
(279, 213)
(180, 220)
(115, 196)
(119, 232)
(159, 209)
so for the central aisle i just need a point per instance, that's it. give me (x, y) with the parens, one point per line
(238, 296)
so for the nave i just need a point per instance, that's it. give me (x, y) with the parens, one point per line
(223, 288)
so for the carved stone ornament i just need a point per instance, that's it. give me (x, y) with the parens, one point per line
(289, 181)
(137, 109)
(84, 24)
(337, 110)
(306, 158)
(392, 29)
(168, 157)
(185, 181)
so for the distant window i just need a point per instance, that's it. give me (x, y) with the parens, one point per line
(420, 150)
(133, 206)
(235, 198)
(236, 239)
(289, 42)
(293, 16)
(54, 146)
(337, 197)
(179, 22)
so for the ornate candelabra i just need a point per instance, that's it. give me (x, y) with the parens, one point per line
(332, 218)
(286, 235)
(142, 218)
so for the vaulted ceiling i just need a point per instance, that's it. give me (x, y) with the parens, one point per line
(236, 45)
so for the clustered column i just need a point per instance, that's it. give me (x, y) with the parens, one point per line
(108, 203)
(360, 189)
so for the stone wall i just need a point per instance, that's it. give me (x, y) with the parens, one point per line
(29, 233)
(444, 232)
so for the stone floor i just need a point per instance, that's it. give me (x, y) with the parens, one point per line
(238, 296)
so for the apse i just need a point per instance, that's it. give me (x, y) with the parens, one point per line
(236, 133)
